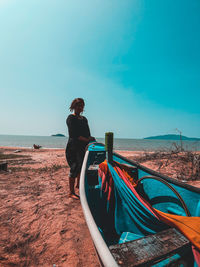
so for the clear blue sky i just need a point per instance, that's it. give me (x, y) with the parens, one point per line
(135, 62)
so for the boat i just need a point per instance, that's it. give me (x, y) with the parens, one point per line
(135, 224)
(36, 146)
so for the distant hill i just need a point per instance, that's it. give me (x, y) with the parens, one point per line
(58, 135)
(172, 137)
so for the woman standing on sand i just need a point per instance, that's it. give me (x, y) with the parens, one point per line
(79, 137)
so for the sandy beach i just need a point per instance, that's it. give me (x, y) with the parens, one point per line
(39, 224)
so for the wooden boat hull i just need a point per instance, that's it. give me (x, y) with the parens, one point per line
(158, 194)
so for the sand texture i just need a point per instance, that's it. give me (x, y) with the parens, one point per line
(39, 224)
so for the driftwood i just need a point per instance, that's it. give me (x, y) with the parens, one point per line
(183, 165)
(36, 146)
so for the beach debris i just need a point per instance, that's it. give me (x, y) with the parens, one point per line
(183, 165)
(20, 211)
(36, 146)
(63, 231)
(17, 151)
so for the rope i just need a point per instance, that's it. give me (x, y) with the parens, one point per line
(172, 188)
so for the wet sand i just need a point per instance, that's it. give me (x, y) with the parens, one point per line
(39, 224)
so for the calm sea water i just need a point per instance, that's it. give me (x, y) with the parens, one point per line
(119, 143)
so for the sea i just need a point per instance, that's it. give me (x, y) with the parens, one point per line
(119, 143)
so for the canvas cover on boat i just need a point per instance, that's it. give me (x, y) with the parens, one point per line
(124, 205)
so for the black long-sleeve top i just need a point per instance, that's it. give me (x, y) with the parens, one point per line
(77, 126)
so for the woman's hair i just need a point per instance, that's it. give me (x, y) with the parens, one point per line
(75, 102)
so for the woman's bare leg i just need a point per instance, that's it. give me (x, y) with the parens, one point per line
(71, 185)
(78, 181)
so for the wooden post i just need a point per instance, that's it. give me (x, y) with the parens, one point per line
(109, 146)
(4, 166)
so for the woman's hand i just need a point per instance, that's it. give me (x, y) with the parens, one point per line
(91, 138)
(86, 140)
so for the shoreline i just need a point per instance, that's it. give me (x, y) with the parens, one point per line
(115, 150)
(27, 147)
(58, 148)
(33, 159)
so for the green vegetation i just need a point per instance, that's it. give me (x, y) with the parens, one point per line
(58, 135)
(172, 137)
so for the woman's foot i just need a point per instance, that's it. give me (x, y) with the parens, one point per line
(74, 196)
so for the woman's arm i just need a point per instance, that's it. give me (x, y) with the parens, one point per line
(84, 139)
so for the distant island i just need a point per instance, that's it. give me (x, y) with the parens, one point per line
(58, 135)
(172, 137)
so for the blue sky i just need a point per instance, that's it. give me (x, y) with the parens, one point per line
(135, 62)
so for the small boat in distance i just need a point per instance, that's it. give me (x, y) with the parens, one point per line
(132, 212)
(36, 146)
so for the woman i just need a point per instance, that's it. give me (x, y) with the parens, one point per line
(79, 137)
